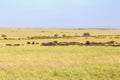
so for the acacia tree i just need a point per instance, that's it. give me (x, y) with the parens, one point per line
(3, 36)
(56, 35)
(63, 35)
(86, 35)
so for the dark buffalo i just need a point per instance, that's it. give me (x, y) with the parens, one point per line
(87, 43)
(63, 44)
(16, 44)
(33, 43)
(28, 42)
(8, 44)
(49, 44)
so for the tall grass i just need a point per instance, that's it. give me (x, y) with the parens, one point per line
(59, 63)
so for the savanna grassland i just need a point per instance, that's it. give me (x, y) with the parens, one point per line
(36, 62)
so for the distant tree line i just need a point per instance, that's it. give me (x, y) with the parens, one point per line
(86, 35)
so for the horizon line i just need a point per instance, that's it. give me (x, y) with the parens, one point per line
(62, 27)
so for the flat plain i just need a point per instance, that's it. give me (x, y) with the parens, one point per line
(36, 62)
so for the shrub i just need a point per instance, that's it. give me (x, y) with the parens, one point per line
(56, 35)
(86, 34)
(4, 36)
(63, 35)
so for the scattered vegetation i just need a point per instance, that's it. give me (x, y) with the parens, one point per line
(86, 35)
(4, 36)
(64, 35)
(35, 62)
(56, 35)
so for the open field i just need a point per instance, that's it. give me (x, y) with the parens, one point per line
(56, 63)
(16, 32)
(35, 62)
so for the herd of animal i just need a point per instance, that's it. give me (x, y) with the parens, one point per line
(87, 43)
(56, 43)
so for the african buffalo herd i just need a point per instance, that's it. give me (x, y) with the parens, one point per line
(56, 43)
(87, 43)
(14, 44)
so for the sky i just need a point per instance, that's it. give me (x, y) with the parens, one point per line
(60, 13)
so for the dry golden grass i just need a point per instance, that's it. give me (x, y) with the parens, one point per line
(29, 32)
(25, 32)
(35, 62)
(56, 63)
